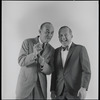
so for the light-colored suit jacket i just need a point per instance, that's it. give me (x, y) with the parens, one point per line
(75, 74)
(29, 71)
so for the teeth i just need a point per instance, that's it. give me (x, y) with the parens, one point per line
(64, 41)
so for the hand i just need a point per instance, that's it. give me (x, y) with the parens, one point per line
(53, 95)
(37, 48)
(41, 60)
(82, 93)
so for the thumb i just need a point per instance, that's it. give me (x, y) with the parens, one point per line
(78, 94)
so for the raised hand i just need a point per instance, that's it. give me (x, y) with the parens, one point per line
(41, 60)
(37, 48)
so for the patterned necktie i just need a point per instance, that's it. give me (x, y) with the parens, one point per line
(43, 46)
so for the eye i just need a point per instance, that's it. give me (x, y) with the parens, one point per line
(52, 32)
(65, 35)
(61, 35)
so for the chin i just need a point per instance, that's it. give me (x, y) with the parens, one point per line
(64, 44)
(48, 40)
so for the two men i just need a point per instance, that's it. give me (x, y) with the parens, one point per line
(71, 70)
(71, 76)
(36, 61)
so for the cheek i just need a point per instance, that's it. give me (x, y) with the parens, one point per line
(60, 39)
(69, 38)
(44, 36)
(51, 36)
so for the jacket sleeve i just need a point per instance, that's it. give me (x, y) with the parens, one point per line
(25, 58)
(86, 71)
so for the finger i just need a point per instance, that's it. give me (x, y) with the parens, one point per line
(33, 47)
(34, 44)
(81, 96)
(84, 95)
(78, 94)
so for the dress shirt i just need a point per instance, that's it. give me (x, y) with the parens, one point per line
(64, 54)
(42, 43)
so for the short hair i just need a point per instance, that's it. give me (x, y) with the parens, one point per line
(44, 24)
(65, 27)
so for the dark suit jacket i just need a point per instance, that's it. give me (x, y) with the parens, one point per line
(76, 72)
(29, 71)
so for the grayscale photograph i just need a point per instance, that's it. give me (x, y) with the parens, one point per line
(50, 50)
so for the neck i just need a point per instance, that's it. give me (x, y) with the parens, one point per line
(40, 40)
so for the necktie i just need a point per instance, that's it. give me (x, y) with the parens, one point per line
(43, 46)
(65, 48)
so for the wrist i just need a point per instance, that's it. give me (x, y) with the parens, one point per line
(34, 56)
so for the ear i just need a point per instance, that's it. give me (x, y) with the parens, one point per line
(72, 36)
(58, 35)
(39, 30)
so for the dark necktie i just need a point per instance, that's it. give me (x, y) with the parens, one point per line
(65, 48)
(43, 46)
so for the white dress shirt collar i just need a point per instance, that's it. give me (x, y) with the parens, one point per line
(41, 41)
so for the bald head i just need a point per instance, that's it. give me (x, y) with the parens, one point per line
(46, 32)
(47, 25)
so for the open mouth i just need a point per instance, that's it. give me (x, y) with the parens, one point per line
(65, 41)
(48, 38)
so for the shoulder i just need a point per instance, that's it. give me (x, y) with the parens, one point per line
(30, 41)
(51, 47)
(78, 46)
(57, 49)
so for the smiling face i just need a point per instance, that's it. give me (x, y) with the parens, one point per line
(46, 32)
(65, 36)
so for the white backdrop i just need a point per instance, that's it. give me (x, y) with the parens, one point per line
(22, 19)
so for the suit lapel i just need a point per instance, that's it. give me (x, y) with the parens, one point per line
(69, 54)
(46, 50)
(61, 58)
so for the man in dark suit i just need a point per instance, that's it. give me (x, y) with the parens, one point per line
(71, 76)
(36, 61)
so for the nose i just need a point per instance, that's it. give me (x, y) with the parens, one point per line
(49, 34)
(63, 37)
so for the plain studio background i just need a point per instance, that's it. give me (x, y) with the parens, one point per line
(22, 19)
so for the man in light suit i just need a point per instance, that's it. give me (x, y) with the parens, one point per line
(71, 76)
(35, 59)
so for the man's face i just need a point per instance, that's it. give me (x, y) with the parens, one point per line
(46, 33)
(65, 36)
